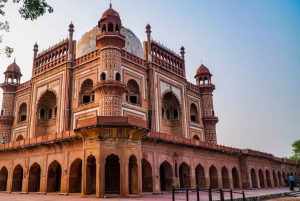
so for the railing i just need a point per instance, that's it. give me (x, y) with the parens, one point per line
(49, 65)
(209, 191)
(133, 58)
(38, 139)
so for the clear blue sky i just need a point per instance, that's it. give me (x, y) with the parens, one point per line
(252, 48)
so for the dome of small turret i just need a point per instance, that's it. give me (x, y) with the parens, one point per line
(13, 68)
(202, 70)
(110, 13)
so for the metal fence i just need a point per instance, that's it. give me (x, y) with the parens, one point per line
(209, 190)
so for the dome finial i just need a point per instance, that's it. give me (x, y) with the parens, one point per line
(110, 6)
(15, 60)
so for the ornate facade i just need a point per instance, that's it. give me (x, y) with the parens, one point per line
(112, 115)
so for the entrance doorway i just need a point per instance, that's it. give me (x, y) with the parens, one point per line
(54, 177)
(166, 176)
(17, 179)
(112, 174)
(34, 178)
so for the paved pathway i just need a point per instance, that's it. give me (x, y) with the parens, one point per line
(146, 197)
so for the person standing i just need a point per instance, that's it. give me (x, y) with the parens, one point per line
(292, 182)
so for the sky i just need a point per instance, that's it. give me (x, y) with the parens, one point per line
(251, 47)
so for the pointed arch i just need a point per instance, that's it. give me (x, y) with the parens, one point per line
(90, 169)
(54, 177)
(184, 175)
(279, 178)
(166, 176)
(275, 179)
(23, 112)
(75, 175)
(20, 137)
(193, 113)
(17, 180)
(213, 176)
(3, 178)
(268, 178)
(225, 178)
(200, 176)
(112, 174)
(261, 178)
(86, 92)
(34, 178)
(253, 178)
(133, 94)
(147, 179)
(235, 178)
(133, 175)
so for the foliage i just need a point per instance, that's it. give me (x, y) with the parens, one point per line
(31, 9)
(296, 150)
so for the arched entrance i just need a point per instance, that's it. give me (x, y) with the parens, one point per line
(253, 179)
(275, 179)
(147, 179)
(112, 174)
(133, 175)
(184, 175)
(54, 177)
(261, 178)
(268, 178)
(166, 176)
(200, 176)
(17, 179)
(90, 186)
(235, 178)
(279, 178)
(75, 176)
(34, 178)
(225, 178)
(213, 176)
(3, 178)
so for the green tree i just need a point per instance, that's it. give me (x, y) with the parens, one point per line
(31, 9)
(296, 150)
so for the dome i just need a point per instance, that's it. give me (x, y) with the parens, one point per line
(13, 68)
(202, 70)
(110, 13)
(87, 43)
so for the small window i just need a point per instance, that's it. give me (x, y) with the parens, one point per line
(86, 99)
(118, 76)
(50, 114)
(42, 113)
(193, 118)
(104, 28)
(162, 112)
(2, 112)
(110, 27)
(133, 99)
(23, 117)
(175, 114)
(168, 114)
(103, 76)
(117, 28)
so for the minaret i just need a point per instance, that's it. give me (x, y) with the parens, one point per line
(9, 87)
(203, 79)
(110, 88)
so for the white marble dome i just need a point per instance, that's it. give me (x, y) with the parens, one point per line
(87, 43)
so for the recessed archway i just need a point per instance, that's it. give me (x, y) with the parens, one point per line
(166, 176)
(34, 178)
(200, 176)
(275, 179)
(90, 183)
(235, 178)
(253, 179)
(279, 178)
(225, 178)
(213, 177)
(112, 174)
(268, 178)
(17, 179)
(261, 179)
(133, 175)
(147, 179)
(54, 177)
(184, 175)
(75, 176)
(3, 178)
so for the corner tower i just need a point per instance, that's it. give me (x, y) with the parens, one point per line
(9, 87)
(110, 42)
(203, 79)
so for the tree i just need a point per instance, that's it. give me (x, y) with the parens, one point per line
(31, 9)
(296, 150)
